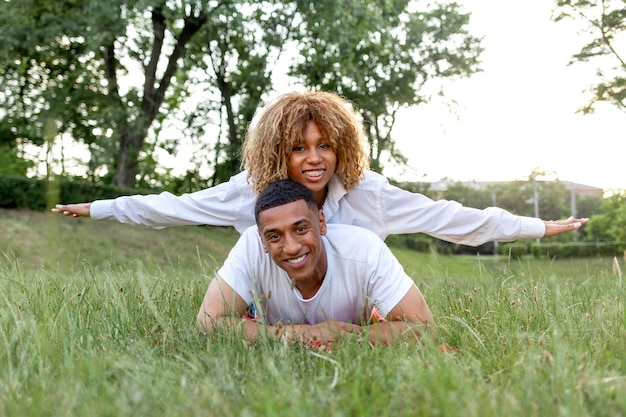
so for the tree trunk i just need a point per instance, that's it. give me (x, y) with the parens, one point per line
(131, 140)
(130, 145)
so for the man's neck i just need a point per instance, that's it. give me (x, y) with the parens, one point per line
(310, 288)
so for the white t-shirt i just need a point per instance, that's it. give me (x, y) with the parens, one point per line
(374, 204)
(362, 273)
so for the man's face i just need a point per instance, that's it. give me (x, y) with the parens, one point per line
(292, 235)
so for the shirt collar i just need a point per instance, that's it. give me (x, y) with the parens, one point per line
(336, 191)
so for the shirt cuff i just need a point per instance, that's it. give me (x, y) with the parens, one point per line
(532, 228)
(101, 210)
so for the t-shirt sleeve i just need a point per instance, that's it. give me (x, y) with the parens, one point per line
(388, 283)
(243, 263)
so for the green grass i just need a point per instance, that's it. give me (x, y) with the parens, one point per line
(98, 319)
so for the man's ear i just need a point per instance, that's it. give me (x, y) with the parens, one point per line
(322, 222)
(265, 248)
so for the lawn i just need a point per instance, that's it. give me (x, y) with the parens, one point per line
(98, 319)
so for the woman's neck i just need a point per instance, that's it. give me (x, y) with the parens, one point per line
(320, 196)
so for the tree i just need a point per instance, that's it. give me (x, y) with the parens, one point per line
(515, 196)
(239, 47)
(118, 75)
(610, 225)
(554, 200)
(72, 61)
(606, 25)
(43, 79)
(241, 62)
(391, 53)
(468, 196)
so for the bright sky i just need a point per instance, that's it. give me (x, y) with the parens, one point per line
(520, 113)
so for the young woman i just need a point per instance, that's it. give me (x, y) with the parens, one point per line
(315, 138)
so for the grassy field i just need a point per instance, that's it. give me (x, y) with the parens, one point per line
(97, 319)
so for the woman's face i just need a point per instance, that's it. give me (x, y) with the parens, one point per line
(313, 162)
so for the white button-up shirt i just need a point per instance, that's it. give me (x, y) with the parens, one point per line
(374, 204)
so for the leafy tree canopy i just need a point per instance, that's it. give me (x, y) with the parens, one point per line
(606, 27)
(119, 75)
(611, 224)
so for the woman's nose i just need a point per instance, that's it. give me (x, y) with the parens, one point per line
(314, 156)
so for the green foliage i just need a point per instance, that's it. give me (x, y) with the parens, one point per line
(606, 26)
(611, 224)
(516, 197)
(20, 192)
(11, 163)
(588, 206)
(469, 196)
(70, 62)
(550, 249)
(392, 53)
(578, 249)
(36, 194)
(98, 319)
(77, 63)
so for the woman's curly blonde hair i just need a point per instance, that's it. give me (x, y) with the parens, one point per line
(281, 126)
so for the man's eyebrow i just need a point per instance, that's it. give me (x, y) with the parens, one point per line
(296, 223)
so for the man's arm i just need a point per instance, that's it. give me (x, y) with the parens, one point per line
(220, 301)
(223, 307)
(411, 315)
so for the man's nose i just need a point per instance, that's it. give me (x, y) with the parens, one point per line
(291, 244)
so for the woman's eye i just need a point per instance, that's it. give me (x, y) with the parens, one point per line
(324, 146)
(298, 148)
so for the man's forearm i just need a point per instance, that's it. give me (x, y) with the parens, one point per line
(325, 331)
(254, 330)
(389, 332)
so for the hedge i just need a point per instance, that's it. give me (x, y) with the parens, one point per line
(36, 194)
(562, 249)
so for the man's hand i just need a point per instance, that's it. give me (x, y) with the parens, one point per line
(326, 331)
(73, 210)
(331, 329)
(556, 227)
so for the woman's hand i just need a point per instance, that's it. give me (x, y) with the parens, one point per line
(556, 227)
(73, 210)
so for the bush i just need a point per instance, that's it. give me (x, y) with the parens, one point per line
(35, 194)
(515, 249)
(21, 192)
(578, 249)
(561, 249)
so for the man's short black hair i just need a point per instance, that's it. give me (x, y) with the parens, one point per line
(283, 192)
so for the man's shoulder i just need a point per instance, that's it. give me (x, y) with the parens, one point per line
(354, 246)
(343, 232)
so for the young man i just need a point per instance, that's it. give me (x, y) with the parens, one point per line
(318, 282)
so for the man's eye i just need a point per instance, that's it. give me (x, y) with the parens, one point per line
(301, 229)
(272, 238)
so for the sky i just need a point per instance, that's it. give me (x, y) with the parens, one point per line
(520, 112)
